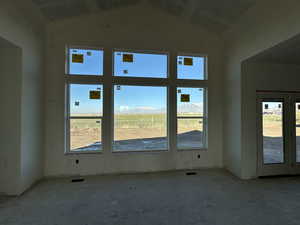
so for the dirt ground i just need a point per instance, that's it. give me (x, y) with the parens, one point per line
(86, 132)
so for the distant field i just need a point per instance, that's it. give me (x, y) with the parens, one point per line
(127, 126)
(272, 124)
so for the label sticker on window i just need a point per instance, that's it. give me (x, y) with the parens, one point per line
(185, 98)
(77, 58)
(128, 58)
(95, 95)
(188, 61)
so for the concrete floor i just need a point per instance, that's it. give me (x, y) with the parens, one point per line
(210, 197)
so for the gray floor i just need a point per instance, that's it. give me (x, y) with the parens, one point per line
(210, 197)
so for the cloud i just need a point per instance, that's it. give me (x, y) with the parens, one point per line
(124, 108)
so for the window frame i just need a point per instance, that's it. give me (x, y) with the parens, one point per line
(204, 119)
(69, 117)
(67, 61)
(108, 80)
(84, 79)
(153, 52)
(167, 121)
(204, 56)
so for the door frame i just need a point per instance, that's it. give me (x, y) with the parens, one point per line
(295, 166)
(280, 168)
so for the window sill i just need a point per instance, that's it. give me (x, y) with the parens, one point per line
(84, 153)
(141, 151)
(193, 149)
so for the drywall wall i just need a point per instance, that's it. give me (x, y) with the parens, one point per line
(23, 27)
(263, 26)
(142, 31)
(10, 115)
(261, 76)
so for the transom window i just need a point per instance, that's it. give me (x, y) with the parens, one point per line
(190, 118)
(85, 61)
(126, 109)
(136, 64)
(191, 67)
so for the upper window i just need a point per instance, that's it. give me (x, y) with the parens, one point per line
(191, 67)
(85, 62)
(132, 64)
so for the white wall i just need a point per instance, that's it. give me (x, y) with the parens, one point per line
(10, 98)
(145, 29)
(23, 27)
(265, 25)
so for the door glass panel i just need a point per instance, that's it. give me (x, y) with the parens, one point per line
(297, 131)
(273, 144)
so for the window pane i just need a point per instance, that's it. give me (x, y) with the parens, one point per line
(273, 132)
(190, 102)
(86, 100)
(85, 135)
(129, 64)
(189, 133)
(298, 131)
(191, 67)
(85, 62)
(140, 118)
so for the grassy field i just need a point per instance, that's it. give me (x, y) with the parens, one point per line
(272, 124)
(127, 126)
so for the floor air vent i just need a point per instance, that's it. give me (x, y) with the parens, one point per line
(190, 173)
(77, 180)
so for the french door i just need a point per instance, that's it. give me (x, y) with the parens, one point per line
(278, 133)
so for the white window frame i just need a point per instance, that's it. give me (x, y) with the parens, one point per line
(142, 81)
(108, 80)
(205, 57)
(204, 120)
(87, 79)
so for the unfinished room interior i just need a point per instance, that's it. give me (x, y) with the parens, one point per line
(143, 112)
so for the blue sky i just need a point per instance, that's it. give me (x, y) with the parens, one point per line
(272, 105)
(132, 98)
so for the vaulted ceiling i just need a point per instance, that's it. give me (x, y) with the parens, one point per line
(214, 15)
(287, 52)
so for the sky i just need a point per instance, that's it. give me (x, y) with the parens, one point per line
(134, 99)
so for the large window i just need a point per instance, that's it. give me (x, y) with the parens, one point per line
(191, 67)
(84, 111)
(140, 118)
(138, 105)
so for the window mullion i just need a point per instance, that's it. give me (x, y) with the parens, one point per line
(172, 103)
(108, 124)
